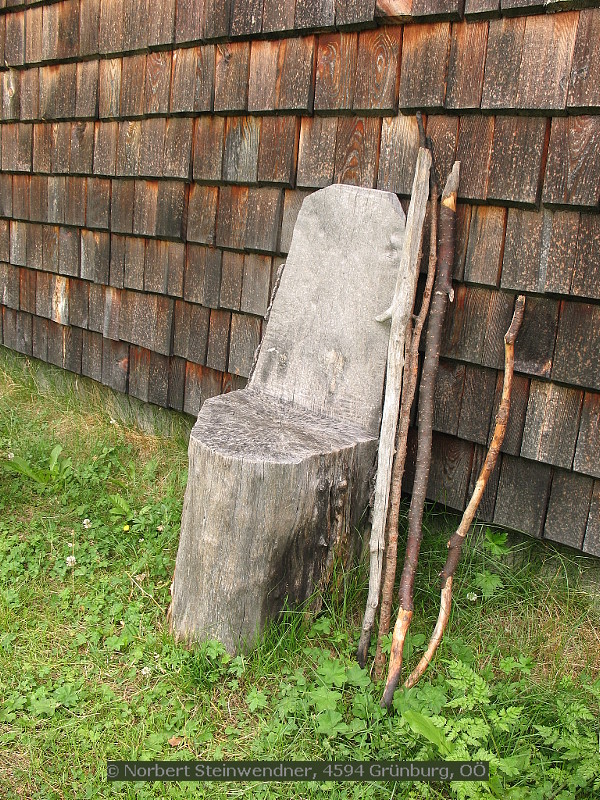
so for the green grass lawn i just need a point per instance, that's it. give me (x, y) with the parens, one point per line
(91, 489)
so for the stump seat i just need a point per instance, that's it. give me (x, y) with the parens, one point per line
(279, 472)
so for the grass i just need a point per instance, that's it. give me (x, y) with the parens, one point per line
(88, 670)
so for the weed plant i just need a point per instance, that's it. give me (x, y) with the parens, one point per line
(91, 488)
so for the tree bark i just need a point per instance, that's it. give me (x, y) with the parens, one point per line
(399, 313)
(442, 291)
(457, 540)
(411, 368)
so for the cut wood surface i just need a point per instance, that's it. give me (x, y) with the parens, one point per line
(280, 472)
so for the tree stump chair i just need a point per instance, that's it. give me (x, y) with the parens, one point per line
(280, 472)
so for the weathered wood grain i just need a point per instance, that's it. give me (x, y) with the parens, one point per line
(573, 168)
(95, 256)
(40, 338)
(425, 51)
(516, 161)
(562, 252)
(133, 263)
(171, 206)
(202, 214)
(568, 509)
(523, 491)
(33, 35)
(466, 65)
(577, 353)
(178, 148)
(587, 453)
(584, 85)
(133, 80)
(86, 101)
(357, 145)
(449, 383)
(240, 156)
(263, 220)
(278, 151)
(139, 373)
(246, 17)
(351, 12)
(244, 339)
(586, 270)
(483, 259)
(316, 154)
(474, 151)
(78, 302)
(231, 76)
(189, 20)
(89, 27)
(128, 148)
(151, 161)
(502, 63)
(591, 543)
(91, 359)
(176, 383)
(477, 403)
(232, 271)
(218, 339)
(534, 347)
(145, 208)
(314, 14)
(551, 424)
(109, 87)
(545, 67)
(30, 95)
(291, 206)
(106, 135)
(121, 206)
(398, 154)
(335, 71)
(232, 216)
(208, 148)
(50, 248)
(81, 151)
(190, 339)
(158, 83)
(217, 14)
(255, 285)
(115, 364)
(202, 275)
(193, 79)
(69, 250)
(278, 15)
(26, 289)
(14, 41)
(378, 70)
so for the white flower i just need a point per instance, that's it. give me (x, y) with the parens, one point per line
(10, 456)
(87, 523)
(71, 561)
(160, 528)
(146, 671)
(472, 596)
(113, 421)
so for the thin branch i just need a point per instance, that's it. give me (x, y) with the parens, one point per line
(399, 311)
(411, 368)
(456, 542)
(442, 291)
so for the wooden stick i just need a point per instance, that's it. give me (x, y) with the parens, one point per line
(456, 542)
(399, 313)
(442, 291)
(409, 385)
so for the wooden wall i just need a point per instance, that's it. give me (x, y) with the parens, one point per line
(154, 156)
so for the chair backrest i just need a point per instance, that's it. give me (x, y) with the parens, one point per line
(323, 349)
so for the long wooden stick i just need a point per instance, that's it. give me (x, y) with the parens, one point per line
(409, 385)
(442, 291)
(399, 313)
(456, 542)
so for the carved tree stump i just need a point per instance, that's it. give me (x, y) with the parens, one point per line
(279, 472)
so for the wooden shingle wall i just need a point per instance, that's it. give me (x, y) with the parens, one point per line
(154, 157)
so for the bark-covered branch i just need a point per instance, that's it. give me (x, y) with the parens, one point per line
(456, 542)
(442, 291)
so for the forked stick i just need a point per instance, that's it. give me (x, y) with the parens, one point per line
(456, 542)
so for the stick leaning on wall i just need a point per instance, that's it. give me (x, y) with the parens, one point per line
(399, 313)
